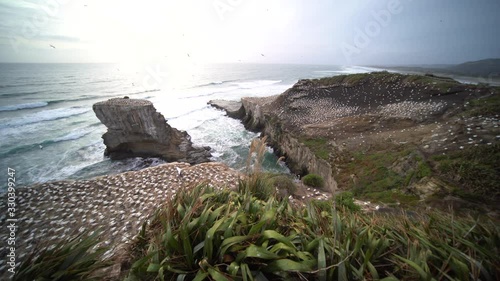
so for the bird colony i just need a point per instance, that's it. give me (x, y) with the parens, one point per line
(117, 205)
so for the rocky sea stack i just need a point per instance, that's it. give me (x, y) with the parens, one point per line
(136, 129)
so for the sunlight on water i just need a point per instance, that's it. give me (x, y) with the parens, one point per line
(49, 131)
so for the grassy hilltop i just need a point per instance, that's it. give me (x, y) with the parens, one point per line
(397, 139)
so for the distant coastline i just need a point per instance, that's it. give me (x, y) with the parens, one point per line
(485, 71)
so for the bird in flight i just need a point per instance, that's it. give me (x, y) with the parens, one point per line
(262, 55)
(52, 46)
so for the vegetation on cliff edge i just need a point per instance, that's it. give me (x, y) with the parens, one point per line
(442, 84)
(225, 235)
(210, 234)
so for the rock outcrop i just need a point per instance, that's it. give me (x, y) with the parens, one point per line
(353, 130)
(299, 158)
(233, 109)
(136, 129)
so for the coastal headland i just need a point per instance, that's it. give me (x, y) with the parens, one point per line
(399, 139)
(410, 140)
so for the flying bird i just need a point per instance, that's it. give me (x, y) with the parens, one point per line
(41, 147)
(262, 55)
(52, 46)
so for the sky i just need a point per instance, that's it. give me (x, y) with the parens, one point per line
(354, 32)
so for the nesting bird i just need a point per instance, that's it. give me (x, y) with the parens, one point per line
(108, 202)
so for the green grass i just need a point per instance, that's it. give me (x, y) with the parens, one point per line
(209, 234)
(205, 234)
(77, 258)
(346, 200)
(348, 80)
(391, 197)
(489, 106)
(440, 84)
(377, 179)
(313, 180)
(319, 147)
(475, 172)
(282, 183)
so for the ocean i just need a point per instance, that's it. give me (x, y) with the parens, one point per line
(49, 132)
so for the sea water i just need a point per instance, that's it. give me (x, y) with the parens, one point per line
(48, 130)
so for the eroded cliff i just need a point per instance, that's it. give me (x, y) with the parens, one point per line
(389, 137)
(136, 129)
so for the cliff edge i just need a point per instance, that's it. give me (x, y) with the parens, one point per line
(388, 137)
(136, 129)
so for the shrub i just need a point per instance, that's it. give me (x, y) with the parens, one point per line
(73, 259)
(284, 184)
(346, 200)
(313, 180)
(221, 235)
(256, 186)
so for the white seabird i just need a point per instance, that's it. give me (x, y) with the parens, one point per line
(179, 172)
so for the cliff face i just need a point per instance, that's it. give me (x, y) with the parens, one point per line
(136, 129)
(385, 136)
(299, 158)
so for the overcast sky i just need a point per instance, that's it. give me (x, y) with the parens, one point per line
(362, 32)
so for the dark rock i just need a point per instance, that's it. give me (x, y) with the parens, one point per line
(233, 109)
(136, 129)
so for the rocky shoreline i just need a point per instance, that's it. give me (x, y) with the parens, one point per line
(116, 205)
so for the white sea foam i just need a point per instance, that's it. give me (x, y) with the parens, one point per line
(73, 141)
(46, 115)
(356, 69)
(256, 83)
(23, 106)
(74, 135)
